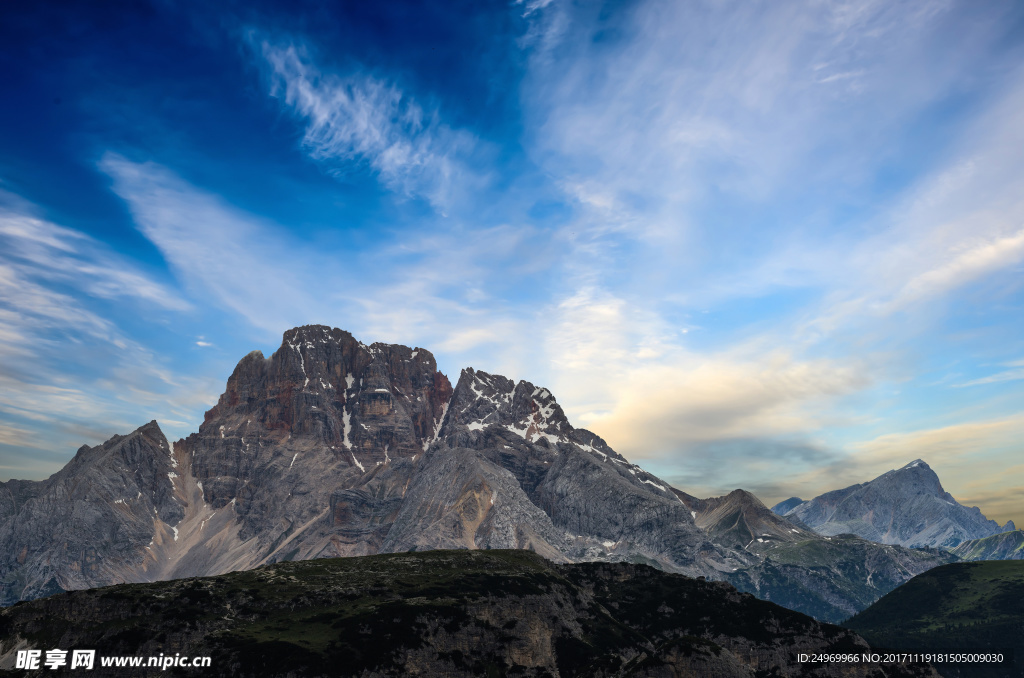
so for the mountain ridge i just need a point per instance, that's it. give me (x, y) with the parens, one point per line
(1007, 545)
(905, 506)
(331, 447)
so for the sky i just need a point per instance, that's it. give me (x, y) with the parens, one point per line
(776, 246)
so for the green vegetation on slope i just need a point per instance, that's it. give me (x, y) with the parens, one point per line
(962, 606)
(833, 578)
(456, 613)
(1003, 546)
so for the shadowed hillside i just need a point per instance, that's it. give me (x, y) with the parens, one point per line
(451, 613)
(958, 607)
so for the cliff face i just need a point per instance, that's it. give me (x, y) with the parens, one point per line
(94, 522)
(906, 506)
(452, 613)
(330, 447)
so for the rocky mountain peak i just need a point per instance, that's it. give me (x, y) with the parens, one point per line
(89, 523)
(331, 447)
(322, 395)
(482, 401)
(905, 506)
(914, 478)
(784, 507)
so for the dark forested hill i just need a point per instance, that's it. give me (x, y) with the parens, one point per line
(959, 607)
(451, 613)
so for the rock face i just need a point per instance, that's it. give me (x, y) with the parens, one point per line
(94, 522)
(833, 578)
(330, 447)
(907, 506)
(443, 613)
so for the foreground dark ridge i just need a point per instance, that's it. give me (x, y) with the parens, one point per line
(330, 447)
(973, 607)
(451, 613)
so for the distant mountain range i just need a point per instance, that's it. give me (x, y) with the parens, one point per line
(330, 447)
(906, 506)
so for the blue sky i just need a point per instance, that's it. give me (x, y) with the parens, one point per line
(777, 246)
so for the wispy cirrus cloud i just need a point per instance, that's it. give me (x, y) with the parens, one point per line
(1016, 372)
(357, 118)
(215, 249)
(39, 258)
(654, 119)
(445, 288)
(68, 373)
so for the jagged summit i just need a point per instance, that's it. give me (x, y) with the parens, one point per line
(483, 400)
(906, 506)
(743, 521)
(366, 404)
(332, 447)
(99, 520)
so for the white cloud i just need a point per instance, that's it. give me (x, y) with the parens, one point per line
(216, 250)
(956, 226)
(65, 364)
(41, 260)
(18, 437)
(41, 249)
(964, 267)
(359, 118)
(443, 287)
(999, 377)
(619, 371)
(736, 101)
(736, 96)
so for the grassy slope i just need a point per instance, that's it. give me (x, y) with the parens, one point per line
(1003, 546)
(962, 606)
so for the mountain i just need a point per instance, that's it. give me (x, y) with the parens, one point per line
(834, 577)
(330, 447)
(94, 522)
(451, 613)
(1002, 546)
(829, 578)
(962, 607)
(906, 506)
(783, 507)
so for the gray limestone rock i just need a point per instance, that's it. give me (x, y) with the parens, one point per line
(92, 523)
(330, 447)
(906, 506)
